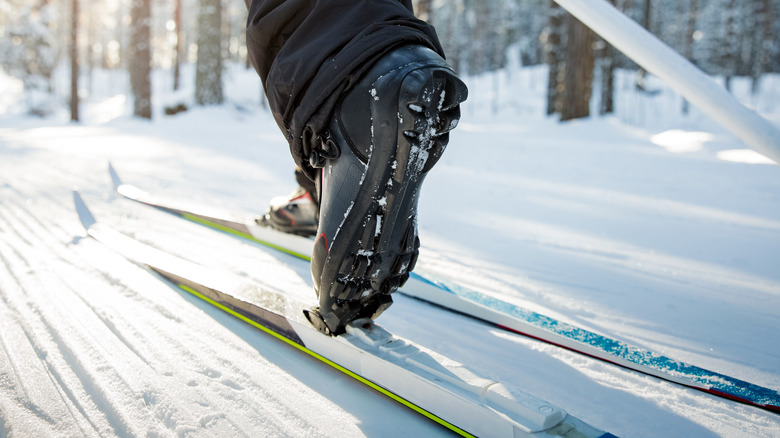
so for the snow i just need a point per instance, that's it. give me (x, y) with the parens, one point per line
(663, 232)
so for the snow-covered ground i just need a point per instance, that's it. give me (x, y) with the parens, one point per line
(656, 229)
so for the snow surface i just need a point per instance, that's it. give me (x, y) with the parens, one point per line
(663, 232)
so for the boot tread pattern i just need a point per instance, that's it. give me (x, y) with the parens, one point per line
(384, 246)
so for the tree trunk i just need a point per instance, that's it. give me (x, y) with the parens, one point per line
(730, 46)
(578, 71)
(607, 101)
(449, 27)
(480, 53)
(208, 74)
(553, 47)
(693, 11)
(647, 23)
(45, 5)
(765, 17)
(177, 46)
(74, 61)
(140, 58)
(647, 19)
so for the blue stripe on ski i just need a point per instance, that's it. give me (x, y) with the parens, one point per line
(710, 381)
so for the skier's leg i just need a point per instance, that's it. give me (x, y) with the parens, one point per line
(366, 101)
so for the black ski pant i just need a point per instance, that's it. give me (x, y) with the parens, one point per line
(309, 52)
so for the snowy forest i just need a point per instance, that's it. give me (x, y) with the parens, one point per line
(130, 39)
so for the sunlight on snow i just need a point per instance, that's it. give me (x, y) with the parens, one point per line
(744, 156)
(679, 141)
(108, 109)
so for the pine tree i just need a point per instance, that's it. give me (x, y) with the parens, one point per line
(730, 46)
(690, 28)
(765, 15)
(578, 83)
(177, 47)
(208, 69)
(74, 61)
(529, 21)
(647, 23)
(141, 58)
(28, 53)
(554, 43)
(607, 71)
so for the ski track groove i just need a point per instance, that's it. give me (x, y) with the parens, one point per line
(66, 393)
(239, 377)
(12, 354)
(236, 375)
(89, 334)
(223, 378)
(5, 430)
(202, 362)
(178, 352)
(40, 352)
(113, 413)
(88, 376)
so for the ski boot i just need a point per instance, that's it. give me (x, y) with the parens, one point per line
(385, 135)
(295, 214)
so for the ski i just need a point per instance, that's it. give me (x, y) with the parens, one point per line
(424, 381)
(501, 314)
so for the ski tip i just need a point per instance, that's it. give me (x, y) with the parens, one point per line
(114, 176)
(87, 220)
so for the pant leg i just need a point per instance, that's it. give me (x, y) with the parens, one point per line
(307, 185)
(308, 52)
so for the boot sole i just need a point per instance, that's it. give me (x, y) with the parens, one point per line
(377, 244)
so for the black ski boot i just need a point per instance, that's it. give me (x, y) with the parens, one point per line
(386, 134)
